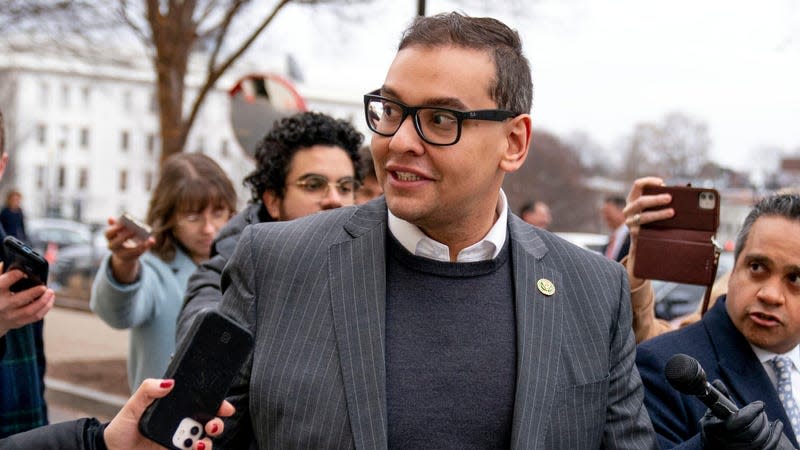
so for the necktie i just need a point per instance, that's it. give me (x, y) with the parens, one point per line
(783, 370)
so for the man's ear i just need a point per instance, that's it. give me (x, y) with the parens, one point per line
(273, 204)
(519, 139)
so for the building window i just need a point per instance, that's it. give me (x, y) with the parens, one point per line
(62, 177)
(224, 149)
(62, 142)
(83, 178)
(84, 138)
(41, 134)
(151, 143)
(148, 181)
(40, 171)
(44, 94)
(123, 180)
(124, 141)
(65, 96)
(86, 93)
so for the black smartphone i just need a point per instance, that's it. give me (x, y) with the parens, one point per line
(203, 367)
(141, 229)
(20, 256)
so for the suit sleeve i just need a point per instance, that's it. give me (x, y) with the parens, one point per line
(86, 434)
(674, 424)
(239, 301)
(627, 422)
(202, 291)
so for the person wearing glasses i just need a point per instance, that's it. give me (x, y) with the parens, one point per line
(433, 317)
(305, 164)
(141, 283)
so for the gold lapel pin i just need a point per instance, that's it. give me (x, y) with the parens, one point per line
(546, 286)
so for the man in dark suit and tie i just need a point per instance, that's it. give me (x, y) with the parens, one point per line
(433, 317)
(748, 340)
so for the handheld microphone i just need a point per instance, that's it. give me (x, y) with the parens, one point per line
(685, 374)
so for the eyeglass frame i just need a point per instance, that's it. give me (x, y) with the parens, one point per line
(303, 181)
(494, 115)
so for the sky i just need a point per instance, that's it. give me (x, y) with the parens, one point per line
(601, 66)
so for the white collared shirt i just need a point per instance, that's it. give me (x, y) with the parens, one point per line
(765, 356)
(416, 242)
(619, 238)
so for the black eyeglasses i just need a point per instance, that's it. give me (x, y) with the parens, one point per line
(435, 125)
(319, 186)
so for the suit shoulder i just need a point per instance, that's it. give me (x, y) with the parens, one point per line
(691, 340)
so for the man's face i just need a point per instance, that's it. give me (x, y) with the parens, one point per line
(539, 217)
(329, 162)
(445, 188)
(612, 214)
(764, 288)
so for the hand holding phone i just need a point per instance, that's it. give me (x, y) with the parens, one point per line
(681, 248)
(20, 256)
(141, 229)
(204, 367)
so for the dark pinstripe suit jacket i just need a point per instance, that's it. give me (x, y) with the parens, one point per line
(313, 292)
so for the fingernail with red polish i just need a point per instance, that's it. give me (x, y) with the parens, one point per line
(201, 446)
(214, 428)
(167, 383)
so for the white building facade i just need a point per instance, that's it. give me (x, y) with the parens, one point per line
(83, 140)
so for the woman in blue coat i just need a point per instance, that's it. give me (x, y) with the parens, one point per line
(141, 284)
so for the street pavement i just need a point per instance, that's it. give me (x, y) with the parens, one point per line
(72, 335)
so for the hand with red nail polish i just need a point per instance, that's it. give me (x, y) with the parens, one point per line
(123, 431)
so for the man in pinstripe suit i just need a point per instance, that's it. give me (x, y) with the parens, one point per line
(433, 317)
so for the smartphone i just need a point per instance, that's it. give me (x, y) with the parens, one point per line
(203, 367)
(142, 230)
(695, 208)
(20, 256)
(682, 248)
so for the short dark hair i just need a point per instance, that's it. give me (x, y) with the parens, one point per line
(290, 134)
(529, 206)
(777, 205)
(512, 88)
(367, 164)
(616, 200)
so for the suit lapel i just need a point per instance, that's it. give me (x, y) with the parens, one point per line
(744, 377)
(358, 299)
(538, 317)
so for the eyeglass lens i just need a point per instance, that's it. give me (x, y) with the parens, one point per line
(320, 185)
(437, 126)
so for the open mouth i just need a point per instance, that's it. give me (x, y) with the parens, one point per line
(406, 176)
(765, 320)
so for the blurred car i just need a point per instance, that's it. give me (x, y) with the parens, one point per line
(61, 232)
(673, 300)
(590, 241)
(74, 250)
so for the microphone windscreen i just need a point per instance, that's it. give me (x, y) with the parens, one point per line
(685, 374)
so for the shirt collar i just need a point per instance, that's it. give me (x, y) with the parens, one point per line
(764, 356)
(416, 242)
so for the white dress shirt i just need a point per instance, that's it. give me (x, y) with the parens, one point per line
(794, 355)
(416, 242)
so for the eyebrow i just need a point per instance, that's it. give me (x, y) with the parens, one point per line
(762, 259)
(444, 102)
(317, 175)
